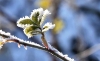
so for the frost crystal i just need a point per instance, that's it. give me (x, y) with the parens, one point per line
(25, 47)
(2, 32)
(23, 26)
(40, 11)
(42, 14)
(45, 13)
(56, 51)
(66, 56)
(1, 42)
(23, 22)
(26, 17)
(2, 39)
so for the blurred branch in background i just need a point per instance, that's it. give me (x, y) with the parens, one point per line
(87, 52)
(55, 8)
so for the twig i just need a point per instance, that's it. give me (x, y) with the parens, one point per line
(53, 51)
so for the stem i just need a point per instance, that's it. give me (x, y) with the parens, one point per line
(44, 41)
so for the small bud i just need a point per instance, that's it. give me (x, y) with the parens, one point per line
(48, 26)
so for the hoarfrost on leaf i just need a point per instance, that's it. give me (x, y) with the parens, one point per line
(33, 23)
(24, 20)
(39, 14)
(48, 26)
(45, 13)
(23, 26)
(36, 14)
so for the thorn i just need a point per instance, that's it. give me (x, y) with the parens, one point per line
(25, 47)
(19, 45)
(47, 47)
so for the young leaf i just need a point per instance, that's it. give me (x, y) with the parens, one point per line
(34, 19)
(30, 31)
(35, 14)
(25, 21)
(48, 26)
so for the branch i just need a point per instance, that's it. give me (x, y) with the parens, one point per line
(88, 52)
(6, 37)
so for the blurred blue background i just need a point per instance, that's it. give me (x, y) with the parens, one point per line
(77, 31)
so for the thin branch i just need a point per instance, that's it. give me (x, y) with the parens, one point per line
(88, 52)
(52, 50)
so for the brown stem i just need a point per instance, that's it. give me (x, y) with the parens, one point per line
(44, 41)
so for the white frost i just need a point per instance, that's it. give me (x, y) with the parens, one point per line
(59, 53)
(11, 37)
(23, 26)
(48, 26)
(2, 32)
(45, 13)
(26, 17)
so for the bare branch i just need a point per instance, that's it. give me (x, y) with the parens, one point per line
(52, 50)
